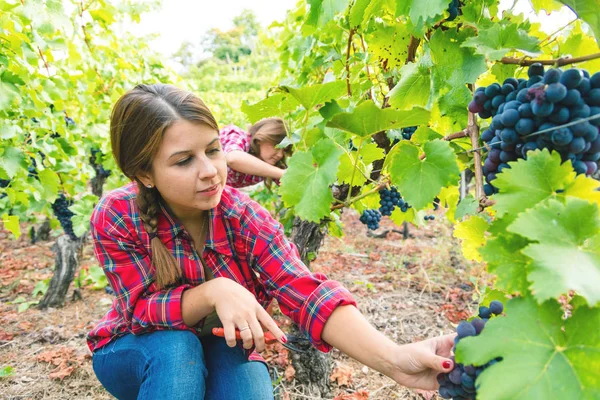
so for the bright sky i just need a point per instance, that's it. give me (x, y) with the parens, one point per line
(187, 20)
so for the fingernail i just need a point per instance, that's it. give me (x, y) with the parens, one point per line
(284, 339)
(446, 364)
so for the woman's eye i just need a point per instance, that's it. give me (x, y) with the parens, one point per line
(184, 162)
(213, 151)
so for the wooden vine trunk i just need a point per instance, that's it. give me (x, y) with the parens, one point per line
(313, 368)
(68, 254)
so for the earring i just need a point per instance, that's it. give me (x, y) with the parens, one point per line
(149, 186)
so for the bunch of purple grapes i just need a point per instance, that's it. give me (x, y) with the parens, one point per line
(100, 171)
(61, 210)
(459, 384)
(545, 102)
(389, 199)
(371, 218)
(453, 10)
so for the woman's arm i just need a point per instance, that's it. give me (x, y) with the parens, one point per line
(248, 164)
(413, 365)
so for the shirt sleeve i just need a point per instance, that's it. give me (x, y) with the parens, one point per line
(233, 138)
(127, 265)
(307, 298)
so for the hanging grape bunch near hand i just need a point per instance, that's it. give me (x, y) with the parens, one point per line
(388, 199)
(554, 109)
(460, 382)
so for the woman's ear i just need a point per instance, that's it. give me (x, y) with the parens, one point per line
(145, 179)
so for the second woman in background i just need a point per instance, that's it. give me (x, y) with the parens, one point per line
(252, 157)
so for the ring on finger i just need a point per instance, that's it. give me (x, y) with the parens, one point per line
(243, 328)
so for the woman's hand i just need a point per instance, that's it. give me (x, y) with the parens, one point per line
(238, 309)
(418, 364)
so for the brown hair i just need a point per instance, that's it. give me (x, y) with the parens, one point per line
(138, 123)
(270, 130)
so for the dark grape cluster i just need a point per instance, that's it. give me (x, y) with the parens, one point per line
(429, 217)
(69, 121)
(408, 132)
(459, 384)
(100, 171)
(371, 218)
(61, 210)
(543, 103)
(4, 183)
(453, 9)
(389, 199)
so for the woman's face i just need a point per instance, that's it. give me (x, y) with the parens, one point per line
(189, 169)
(269, 153)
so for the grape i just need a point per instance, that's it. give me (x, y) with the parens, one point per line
(371, 218)
(496, 307)
(460, 383)
(535, 69)
(510, 117)
(60, 207)
(593, 97)
(571, 78)
(595, 80)
(555, 92)
(552, 76)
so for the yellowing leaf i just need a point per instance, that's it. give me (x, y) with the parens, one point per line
(471, 231)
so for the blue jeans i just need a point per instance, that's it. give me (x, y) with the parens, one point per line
(178, 365)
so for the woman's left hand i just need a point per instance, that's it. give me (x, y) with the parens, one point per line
(418, 364)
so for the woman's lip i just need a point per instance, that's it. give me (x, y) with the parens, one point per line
(210, 189)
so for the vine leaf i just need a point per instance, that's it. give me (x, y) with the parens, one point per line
(587, 10)
(471, 231)
(310, 96)
(323, 11)
(418, 180)
(504, 259)
(565, 256)
(497, 40)
(543, 356)
(277, 104)
(368, 119)
(305, 185)
(531, 181)
(348, 161)
(413, 89)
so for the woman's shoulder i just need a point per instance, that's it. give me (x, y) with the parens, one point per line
(238, 206)
(118, 201)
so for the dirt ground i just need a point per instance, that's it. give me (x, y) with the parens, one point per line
(409, 289)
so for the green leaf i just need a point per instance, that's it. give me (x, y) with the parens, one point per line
(389, 44)
(564, 257)
(504, 258)
(50, 182)
(543, 357)
(11, 222)
(422, 11)
(471, 232)
(323, 11)
(275, 105)
(467, 206)
(496, 41)
(310, 96)
(531, 181)
(305, 185)
(12, 159)
(453, 65)
(413, 89)
(587, 10)
(367, 154)
(418, 180)
(367, 119)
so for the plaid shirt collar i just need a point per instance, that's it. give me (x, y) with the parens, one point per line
(169, 227)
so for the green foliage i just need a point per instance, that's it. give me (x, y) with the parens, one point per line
(354, 72)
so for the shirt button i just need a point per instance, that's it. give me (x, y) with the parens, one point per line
(192, 257)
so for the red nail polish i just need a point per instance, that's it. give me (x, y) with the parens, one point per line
(284, 339)
(446, 364)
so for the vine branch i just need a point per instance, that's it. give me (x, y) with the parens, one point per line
(347, 203)
(559, 62)
(44, 60)
(348, 62)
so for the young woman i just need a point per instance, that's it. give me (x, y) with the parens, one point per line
(184, 253)
(252, 156)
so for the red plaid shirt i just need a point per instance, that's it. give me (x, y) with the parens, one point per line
(244, 244)
(233, 138)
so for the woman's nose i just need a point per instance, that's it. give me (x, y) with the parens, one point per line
(207, 169)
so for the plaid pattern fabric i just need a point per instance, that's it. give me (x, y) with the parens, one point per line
(244, 244)
(233, 138)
